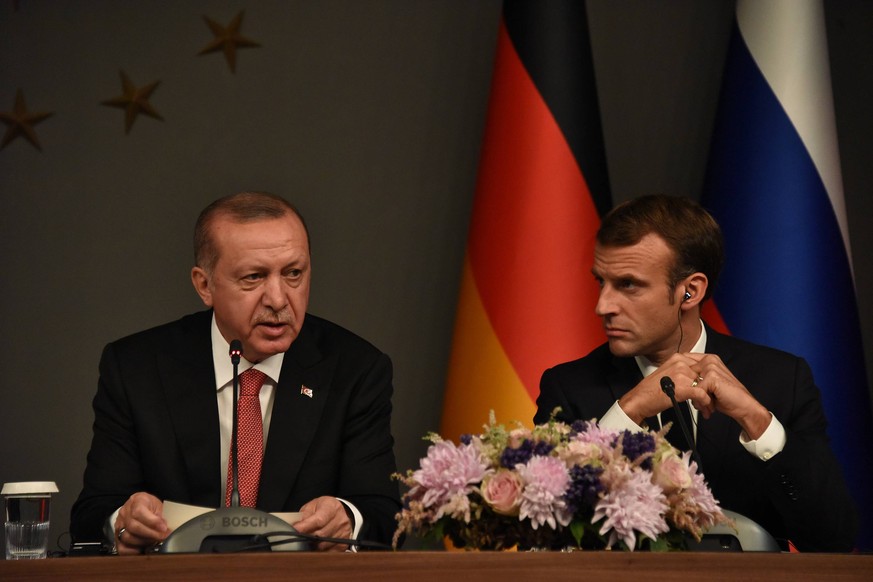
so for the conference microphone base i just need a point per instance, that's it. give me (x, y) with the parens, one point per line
(233, 529)
(743, 536)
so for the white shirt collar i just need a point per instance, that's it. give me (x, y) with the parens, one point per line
(647, 367)
(224, 369)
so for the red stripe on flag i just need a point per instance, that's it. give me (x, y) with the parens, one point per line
(532, 230)
(712, 316)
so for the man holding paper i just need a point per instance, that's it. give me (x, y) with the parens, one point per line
(164, 404)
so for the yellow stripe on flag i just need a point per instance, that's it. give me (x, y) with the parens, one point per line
(480, 377)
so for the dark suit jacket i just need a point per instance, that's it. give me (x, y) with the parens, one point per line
(156, 426)
(799, 494)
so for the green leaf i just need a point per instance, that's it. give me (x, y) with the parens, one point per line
(438, 528)
(659, 545)
(577, 528)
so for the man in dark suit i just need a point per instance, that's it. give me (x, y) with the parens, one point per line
(759, 424)
(164, 404)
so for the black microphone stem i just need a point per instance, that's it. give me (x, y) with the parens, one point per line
(234, 491)
(669, 389)
(235, 352)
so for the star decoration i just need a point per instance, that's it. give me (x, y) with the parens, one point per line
(134, 101)
(227, 39)
(20, 122)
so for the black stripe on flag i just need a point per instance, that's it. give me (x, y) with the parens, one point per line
(552, 41)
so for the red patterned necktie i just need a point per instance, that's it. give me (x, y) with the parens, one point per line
(250, 439)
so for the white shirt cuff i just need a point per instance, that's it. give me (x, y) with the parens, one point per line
(359, 521)
(616, 419)
(109, 530)
(770, 443)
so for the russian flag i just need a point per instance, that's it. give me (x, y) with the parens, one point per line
(774, 184)
(527, 295)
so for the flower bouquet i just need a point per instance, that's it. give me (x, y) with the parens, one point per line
(557, 486)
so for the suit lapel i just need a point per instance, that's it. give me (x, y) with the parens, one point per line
(189, 387)
(295, 419)
(624, 375)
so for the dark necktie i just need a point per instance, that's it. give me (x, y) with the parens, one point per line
(250, 439)
(675, 436)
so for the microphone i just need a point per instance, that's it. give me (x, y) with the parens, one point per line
(669, 389)
(235, 353)
(234, 528)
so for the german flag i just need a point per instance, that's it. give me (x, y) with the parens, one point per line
(527, 295)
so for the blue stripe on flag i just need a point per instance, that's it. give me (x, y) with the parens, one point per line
(787, 282)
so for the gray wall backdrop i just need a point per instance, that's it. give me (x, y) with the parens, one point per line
(367, 114)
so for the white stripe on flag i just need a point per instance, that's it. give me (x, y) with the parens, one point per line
(787, 39)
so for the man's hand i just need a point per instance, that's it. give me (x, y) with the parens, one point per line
(729, 396)
(326, 517)
(647, 399)
(140, 524)
(707, 383)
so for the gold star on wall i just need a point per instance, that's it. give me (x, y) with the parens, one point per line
(227, 39)
(20, 122)
(134, 101)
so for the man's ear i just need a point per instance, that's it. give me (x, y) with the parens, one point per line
(200, 280)
(694, 285)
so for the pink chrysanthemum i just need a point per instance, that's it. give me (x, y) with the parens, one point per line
(545, 482)
(595, 435)
(706, 509)
(693, 508)
(699, 492)
(448, 473)
(634, 504)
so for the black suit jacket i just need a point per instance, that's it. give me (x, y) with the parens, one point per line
(799, 494)
(156, 426)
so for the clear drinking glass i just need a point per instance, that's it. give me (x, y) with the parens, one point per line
(28, 507)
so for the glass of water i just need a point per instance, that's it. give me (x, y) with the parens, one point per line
(27, 518)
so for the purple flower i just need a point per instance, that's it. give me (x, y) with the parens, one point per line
(636, 444)
(585, 487)
(632, 504)
(510, 457)
(545, 482)
(579, 426)
(449, 472)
